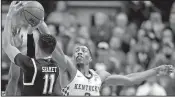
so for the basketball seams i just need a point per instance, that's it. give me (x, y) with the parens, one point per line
(25, 17)
(31, 14)
(34, 7)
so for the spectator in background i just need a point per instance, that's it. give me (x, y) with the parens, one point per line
(154, 24)
(106, 91)
(138, 11)
(63, 40)
(102, 57)
(142, 49)
(52, 29)
(60, 14)
(172, 18)
(132, 64)
(157, 23)
(61, 17)
(101, 31)
(164, 56)
(84, 33)
(117, 56)
(167, 35)
(144, 54)
(128, 91)
(151, 88)
(82, 37)
(132, 30)
(172, 22)
(4, 74)
(122, 20)
(122, 23)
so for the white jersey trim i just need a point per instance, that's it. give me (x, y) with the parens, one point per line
(34, 75)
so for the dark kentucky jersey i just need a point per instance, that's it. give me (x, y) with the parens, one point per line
(39, 76)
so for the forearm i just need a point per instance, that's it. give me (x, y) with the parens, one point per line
(137, 78)
(59, 57)
(7, 33)
(43, 28)
(11, 88)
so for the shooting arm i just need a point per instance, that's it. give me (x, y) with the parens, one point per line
(10, 50)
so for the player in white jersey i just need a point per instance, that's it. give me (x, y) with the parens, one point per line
(77, 79)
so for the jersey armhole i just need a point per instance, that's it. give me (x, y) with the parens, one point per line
(71, 79)
(34, 75)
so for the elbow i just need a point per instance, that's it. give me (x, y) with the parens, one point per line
(4, 44)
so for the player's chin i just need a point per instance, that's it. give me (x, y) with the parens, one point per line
(79, 63)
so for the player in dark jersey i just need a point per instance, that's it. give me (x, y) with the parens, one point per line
(39, 73)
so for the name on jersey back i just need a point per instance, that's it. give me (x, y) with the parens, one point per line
(49, 69)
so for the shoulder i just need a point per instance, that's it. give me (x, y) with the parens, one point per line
(22, 61)
(22, 57)
(103, 74)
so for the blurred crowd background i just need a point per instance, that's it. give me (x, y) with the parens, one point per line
(123, 36)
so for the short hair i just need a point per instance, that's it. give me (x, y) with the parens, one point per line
(47, 43)
(85, 46)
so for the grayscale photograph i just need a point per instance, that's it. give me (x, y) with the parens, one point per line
(87, 48)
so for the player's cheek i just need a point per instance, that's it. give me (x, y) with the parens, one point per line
(86, 56)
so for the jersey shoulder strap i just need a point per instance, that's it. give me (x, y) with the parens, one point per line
(93, 72)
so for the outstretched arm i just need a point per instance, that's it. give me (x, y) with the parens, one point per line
(137, 78)
(58, 55)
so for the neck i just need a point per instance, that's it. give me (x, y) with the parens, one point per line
(84, 69)
(42, 56)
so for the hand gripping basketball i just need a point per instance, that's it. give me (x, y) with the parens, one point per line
(14, 8)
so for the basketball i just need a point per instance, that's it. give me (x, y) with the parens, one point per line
(33, 13)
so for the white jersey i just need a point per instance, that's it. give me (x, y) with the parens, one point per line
(83, 86)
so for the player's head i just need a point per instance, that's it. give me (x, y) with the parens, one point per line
(46, 44)
(82, 55)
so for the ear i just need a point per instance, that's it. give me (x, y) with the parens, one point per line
(90, 59)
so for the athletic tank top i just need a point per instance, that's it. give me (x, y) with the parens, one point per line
(83, 86)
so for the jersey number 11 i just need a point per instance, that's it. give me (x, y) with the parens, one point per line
(48, 77)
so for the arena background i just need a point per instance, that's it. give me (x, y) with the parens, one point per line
(123, 36)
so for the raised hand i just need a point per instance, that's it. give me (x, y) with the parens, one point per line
(165, 69)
